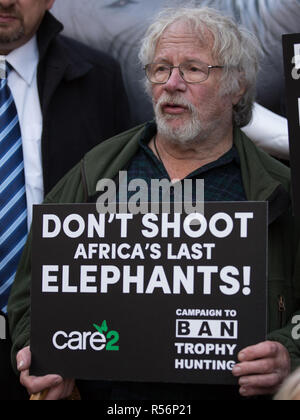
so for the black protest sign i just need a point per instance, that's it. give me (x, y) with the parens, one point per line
(291, 53)
(147, 298)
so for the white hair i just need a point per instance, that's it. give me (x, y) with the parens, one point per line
(234, 47)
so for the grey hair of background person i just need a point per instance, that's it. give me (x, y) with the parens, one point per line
(234, 47)
(117, 27)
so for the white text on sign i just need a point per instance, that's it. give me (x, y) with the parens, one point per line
(210, 329)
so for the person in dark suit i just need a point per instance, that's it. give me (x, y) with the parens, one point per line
(67, 99)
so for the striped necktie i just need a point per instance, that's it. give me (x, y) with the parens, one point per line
(13, 206)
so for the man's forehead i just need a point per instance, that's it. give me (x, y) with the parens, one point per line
(182, 35)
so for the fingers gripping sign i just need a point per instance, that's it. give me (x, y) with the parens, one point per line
(262, 368)
(54, 387)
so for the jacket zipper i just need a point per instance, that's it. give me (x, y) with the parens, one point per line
(282, 310)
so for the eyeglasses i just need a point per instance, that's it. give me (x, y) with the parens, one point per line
(191, 72)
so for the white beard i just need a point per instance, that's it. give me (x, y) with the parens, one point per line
(189, 132)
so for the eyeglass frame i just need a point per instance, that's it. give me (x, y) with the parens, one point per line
(181, 73)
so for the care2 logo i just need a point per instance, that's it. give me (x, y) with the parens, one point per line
(99, 340)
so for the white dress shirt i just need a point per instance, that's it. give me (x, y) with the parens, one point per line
(22, 81)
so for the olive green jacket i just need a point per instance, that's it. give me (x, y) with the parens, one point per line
(264, 179)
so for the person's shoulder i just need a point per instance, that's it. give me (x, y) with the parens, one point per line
(276, 169)
(78, 52)
(110, 147)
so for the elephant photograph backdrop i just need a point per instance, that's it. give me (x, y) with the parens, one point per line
(117, 27)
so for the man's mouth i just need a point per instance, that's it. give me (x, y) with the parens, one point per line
(174, 109)
(5, 18)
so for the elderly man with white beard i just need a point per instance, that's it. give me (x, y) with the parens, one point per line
(201, 74)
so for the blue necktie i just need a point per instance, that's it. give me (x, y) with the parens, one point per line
(13, 205)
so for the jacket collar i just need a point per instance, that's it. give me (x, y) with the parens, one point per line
(61, 57)
(47, 32)
(58, 61)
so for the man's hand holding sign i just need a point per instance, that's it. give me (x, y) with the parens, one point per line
(262, 368)
(51, 387)
(260, 376)
(207, 281)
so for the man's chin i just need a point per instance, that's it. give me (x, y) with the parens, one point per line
(178, 133)
(175, 122)
(9, 36)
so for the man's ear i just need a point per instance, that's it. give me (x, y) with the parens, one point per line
(238, 95)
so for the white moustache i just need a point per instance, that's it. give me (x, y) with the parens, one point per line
(176, 100)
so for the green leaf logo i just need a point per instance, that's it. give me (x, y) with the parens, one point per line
(113, 336)
(103, 328)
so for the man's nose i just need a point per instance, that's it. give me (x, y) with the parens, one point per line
(175, 81)
(7, 3)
